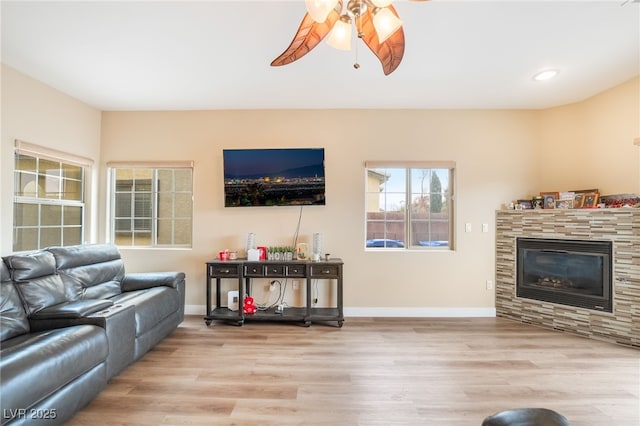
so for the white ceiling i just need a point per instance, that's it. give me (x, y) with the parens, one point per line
(162, 55)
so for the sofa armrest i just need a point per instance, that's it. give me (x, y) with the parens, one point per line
(118, 322)
(143, 280)
(72, 310)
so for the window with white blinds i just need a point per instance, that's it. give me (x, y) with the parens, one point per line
(49, 197)
(151, 204)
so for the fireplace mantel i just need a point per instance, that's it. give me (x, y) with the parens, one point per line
(620, 226)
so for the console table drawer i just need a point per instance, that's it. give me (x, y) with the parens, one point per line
(254, 270)
(230, 270)
(277, 270)
(324, 271)
(296, 271)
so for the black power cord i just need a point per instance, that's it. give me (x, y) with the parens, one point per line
(265, 306)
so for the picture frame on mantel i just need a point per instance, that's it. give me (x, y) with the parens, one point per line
(549, 199)
(590, 200)
(564, 203)
(578, 199)
(585, 191)
(524, 205)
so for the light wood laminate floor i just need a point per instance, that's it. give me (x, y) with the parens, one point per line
(432, 371)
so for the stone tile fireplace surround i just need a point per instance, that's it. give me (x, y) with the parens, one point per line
(620, 226)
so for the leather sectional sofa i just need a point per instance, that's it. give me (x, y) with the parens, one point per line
(71, 319)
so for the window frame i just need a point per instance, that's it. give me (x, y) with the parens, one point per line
(408, 219)
(42, 201)
(155, 194)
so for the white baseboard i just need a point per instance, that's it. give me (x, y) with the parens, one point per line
(420, 312)
(391, 312)
(195, 310)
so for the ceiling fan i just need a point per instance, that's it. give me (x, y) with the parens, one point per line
(376, 21)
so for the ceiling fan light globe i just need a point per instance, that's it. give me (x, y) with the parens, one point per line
(545, 75)
(381, 3)
(319, 9)
(385, 23)
(340, 36)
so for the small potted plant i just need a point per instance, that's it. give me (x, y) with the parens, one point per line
(288, 253)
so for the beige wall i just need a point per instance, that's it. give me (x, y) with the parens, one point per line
(34, 112)
(590, 144)
(500, 156)
(486, 145)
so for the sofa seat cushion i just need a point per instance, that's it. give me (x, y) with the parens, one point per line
(33, 366)
(151, 305)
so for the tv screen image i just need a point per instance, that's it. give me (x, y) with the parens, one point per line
(273, 177)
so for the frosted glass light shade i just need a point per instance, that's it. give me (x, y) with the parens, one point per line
(340, 37)
(320, 9)
(381, 3)
(545, 75)
(385, 23)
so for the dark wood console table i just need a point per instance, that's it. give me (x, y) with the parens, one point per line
(243, 271)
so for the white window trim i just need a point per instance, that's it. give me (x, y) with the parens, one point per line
(410, 164)
(451, 165)
(33, 150)
(150, 164)
(111, 166)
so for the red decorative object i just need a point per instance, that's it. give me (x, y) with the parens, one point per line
(620, 200)
(249, 306)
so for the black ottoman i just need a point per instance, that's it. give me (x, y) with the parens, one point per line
(526, 417)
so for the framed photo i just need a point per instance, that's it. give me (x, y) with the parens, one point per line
(578, 199)
(590, 200)
(549, 199)
(584, 191)
(566, 195)
(564, 203)
(525, 204)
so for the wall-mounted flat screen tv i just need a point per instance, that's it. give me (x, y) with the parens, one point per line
(273, 177)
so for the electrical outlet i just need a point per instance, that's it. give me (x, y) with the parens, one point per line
(467, 227)
(489, 285)
(272, 286)
(485, 227)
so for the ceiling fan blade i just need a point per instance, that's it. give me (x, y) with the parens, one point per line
(391, 51)
(309, 35)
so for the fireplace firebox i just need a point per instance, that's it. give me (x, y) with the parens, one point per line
(570, 272)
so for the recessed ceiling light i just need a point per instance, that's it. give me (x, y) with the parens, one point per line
(545, 75)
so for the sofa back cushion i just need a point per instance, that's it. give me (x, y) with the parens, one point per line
(34, 275)
(91, 271)
(13, 318)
